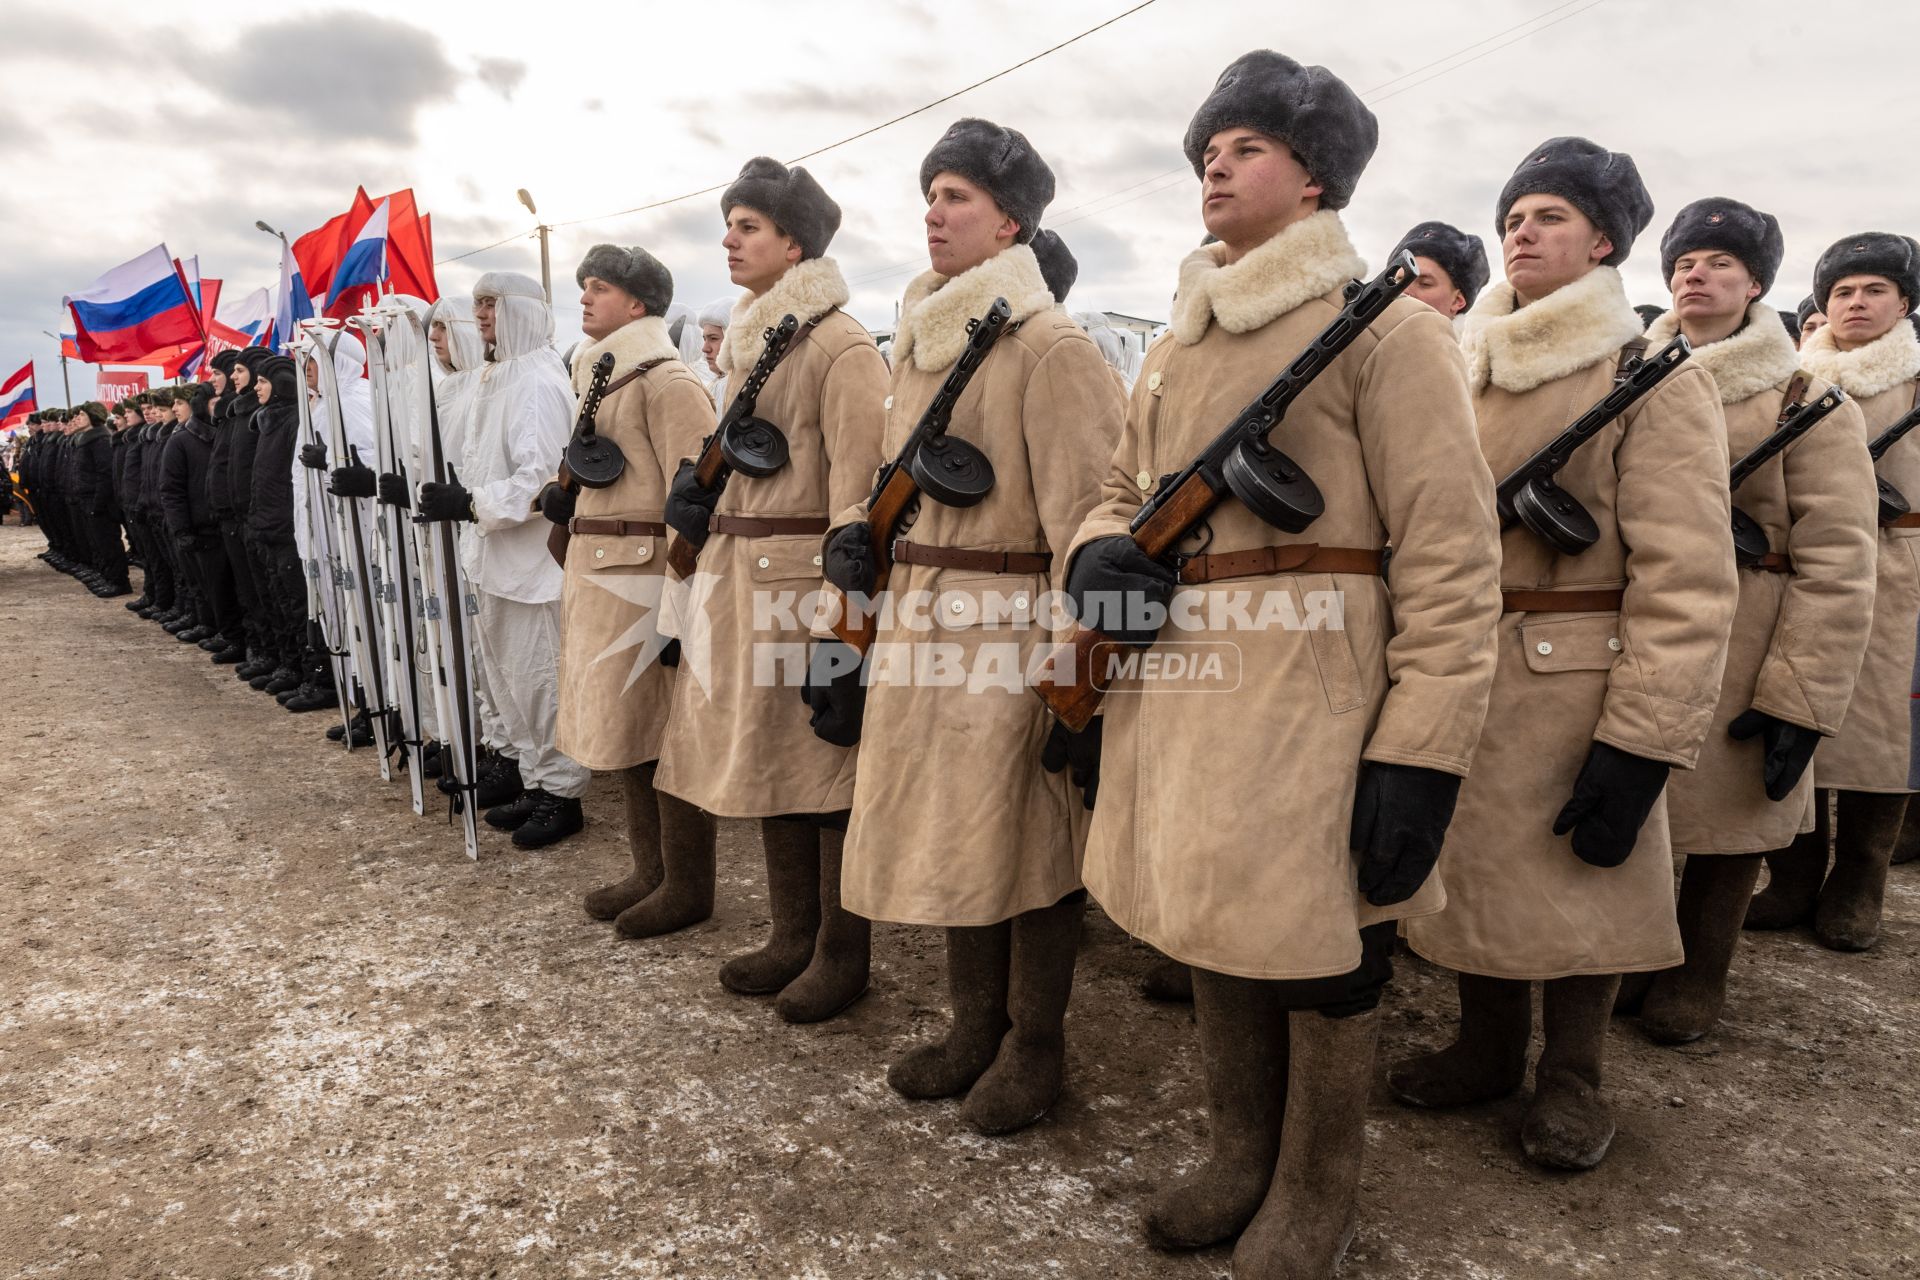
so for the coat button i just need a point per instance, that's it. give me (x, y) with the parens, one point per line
(1153, 381)
(958, 607)
(1613, 643)
(600, 554)
(644, 553)
(889, 403)
(1144, 480)
(816, 562)
(764, 562)
(1543, 648)
(1019, 602)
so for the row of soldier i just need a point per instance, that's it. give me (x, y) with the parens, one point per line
(1493, 750)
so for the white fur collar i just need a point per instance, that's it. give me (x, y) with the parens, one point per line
(633, 343)
(935, 310)
(1864, 372)
(1575, 326)
(807, 291)
(1307, 260)
(1756, 357)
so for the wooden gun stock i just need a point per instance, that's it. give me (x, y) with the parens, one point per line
(883, 517)
(708, 469)
(1091, 652)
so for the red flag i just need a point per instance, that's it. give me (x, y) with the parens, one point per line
(410, 258)
(319, 251)
(110, 386)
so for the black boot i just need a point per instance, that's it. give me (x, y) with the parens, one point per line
(1848, 915)
(977, 961)
(554, 818)
(1027, 1073)
(684, 895)
(643, 846)
(842, 949)
(313, 697)
(1568, 1124)
(792, 851)
(282, 679)
(1794, 875)
(514, 814)
(1487, 1060)
(1243, 1050)
(501, 785)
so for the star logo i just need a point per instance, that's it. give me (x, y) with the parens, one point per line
(664, 611)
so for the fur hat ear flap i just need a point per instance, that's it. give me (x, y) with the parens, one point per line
(999, 161)
(1058, 267)
(1870, 253)
(1605, 185)
(1727, 226)
(1312, 110)
(1463, 257)
(798, 205)
(633, 269)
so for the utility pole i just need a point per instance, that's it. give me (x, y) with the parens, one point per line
(546, 270)
(61, 347)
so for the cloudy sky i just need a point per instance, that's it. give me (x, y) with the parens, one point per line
(117, 131)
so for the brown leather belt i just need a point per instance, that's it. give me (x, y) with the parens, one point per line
(1773, 562)
(765, 526)
(618, 528)
(1296, 557)
(1911, 520)
(905, 552)
(1561, 601)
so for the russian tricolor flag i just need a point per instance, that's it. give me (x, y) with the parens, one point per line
(136, 308)
(252, 315)
(362, 269)
(17, 398)
(295, 303)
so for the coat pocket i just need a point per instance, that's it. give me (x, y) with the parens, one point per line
(1588, 642)
(1333, 653)
(595, 551)
(992, 602)
(784, 558)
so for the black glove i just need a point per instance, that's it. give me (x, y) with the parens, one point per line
(1400, 817)
(355, 480)
(1114, 583)
(1611, 800)
(689, 505)
(835, 692)
(850, 562)
(314, 455)
(1080, 750)
(1789, 749)
(670, 654)
(449, 501)
(393, 490)
(557, 502)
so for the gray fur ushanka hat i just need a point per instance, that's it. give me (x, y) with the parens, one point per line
(1462, 256)
(1058, 267)
(1718, 223)
(1001, 162)
(797, 204)
(1312, 110)
(633, 269)
(1869, 253)
(1605, 185)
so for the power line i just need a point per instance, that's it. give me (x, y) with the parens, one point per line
(852, 137)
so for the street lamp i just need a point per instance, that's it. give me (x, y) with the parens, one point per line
(61, 347)
(261, 224)
(546, 273)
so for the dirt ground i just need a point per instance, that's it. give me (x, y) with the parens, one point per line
(257, 1019)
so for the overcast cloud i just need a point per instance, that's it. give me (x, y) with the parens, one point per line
(596, 109)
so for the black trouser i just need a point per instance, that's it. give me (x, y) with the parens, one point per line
(1346, 994)
(216, 584)
(253, 623)
(288, 582)
(273, 631)
(109, 556)
(161, 583)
